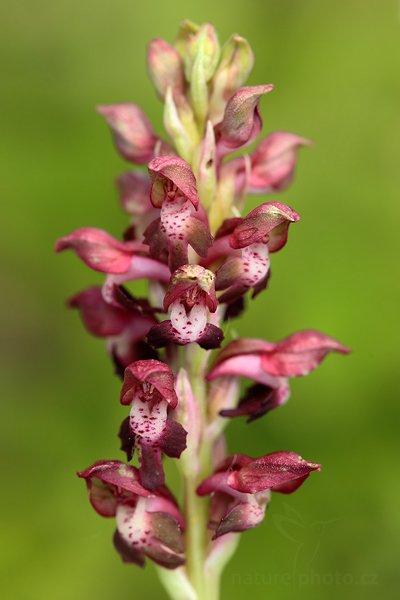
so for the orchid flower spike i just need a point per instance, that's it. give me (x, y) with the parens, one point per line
(202, 255)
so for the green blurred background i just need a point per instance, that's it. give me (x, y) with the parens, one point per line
(335, 66)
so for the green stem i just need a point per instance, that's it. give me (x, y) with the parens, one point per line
(196, 524)
(196, 508)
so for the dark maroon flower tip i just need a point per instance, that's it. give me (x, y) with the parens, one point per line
(171, 176)
(212, 337)
(165, 333)
(173, 440)
(234, 309)
(258, 400)
(127, 439)
(132, 132)
(161, 335)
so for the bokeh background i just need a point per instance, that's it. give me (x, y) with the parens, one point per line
(335, 66)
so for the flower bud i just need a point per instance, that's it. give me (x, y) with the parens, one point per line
(200, 64)
(187, 31)
(165, 68)
(237, 61)
(207, 175)
(132, 132)
(189, 416)
(203, 47)
(242, 120)
(180, 124)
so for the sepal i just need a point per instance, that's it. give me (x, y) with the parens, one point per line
(132, 132)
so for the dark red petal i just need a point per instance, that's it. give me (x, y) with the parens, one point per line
(214, 483)
(116, 474)
(127, 439)
(271, 470)
(234, 309)
(211, 338)
(151, 468)
(173, 439)
(127, 552)
(290, 486)
(157, 241)
(262, 284)
(100, 318)
(258, 400)
(161, 335)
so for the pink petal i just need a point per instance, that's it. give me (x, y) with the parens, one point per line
(134, 190)
(140, 267)
(132, 132)
(273, 162)
(99, 250)
(165, 67)
(155, 534)
(299, 354)
(250, 366)
(242, 122)
(266, 223)
(169, 174)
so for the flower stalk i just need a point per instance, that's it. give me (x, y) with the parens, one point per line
(202, 257)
